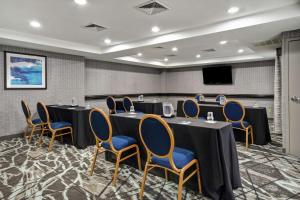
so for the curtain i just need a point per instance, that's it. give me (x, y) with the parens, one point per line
(277, 93)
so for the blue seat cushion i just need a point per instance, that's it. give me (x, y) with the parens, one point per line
(58, 125)
(119, 142)
(120, 111)
(201, 118)
(239, 124)
(37, 121)
(181, 158)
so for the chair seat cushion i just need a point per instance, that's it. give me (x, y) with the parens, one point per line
(202, 118)
(119, 142)
(120, 111)
(181, 158)
(37, 121)
(58, 125)
(239, 124)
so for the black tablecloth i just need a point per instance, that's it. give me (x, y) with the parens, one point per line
(145, 107)
(257, 117)
(79, 118)
(213, 145)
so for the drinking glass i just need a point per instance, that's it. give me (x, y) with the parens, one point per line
(210, 116)
(131, 108)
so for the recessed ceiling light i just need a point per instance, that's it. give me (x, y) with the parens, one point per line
(107, 41)
(139, 54)
(166, 59)
(80, 2)
(233, 10)
(35, 24)
(174, 49)
(198, 56)
(241, 51)
(155, 29)
(223, 42)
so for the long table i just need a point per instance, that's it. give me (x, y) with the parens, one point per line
(149, 107)
(257, 117)
(213, 145)
(79, 118)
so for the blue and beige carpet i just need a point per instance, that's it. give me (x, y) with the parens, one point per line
(30, 172)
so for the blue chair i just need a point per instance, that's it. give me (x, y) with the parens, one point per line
(190, 108)
(111, 104)
(102, 129)
(57, 129)
(33, 124)
(200, 97)
(158, 140)
(127, 103)
(234, 112)
(218, 98)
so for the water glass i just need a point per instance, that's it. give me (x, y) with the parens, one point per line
(210, 116)
(131, 108)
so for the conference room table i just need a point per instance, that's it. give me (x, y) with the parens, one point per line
(148, 106)
(213, 144)
(78, 116)
(256, 116)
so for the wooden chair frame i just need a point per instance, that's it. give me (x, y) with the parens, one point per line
(201, 96)
(115, 105)
(248, 130)
(30, 125)
(180, 172)
(112, 149)
(198, 108)
(220, 95)
(53, 131)
(124, 104)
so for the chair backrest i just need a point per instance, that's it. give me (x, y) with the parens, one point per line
(26, 111)
(156, 135)
(100, 125)
(43, 112)
(111, 104)
(200, 97)
(190, 108)
(218, 98)
(234, 111)
(127, 102)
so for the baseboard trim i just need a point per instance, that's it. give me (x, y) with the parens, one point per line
(9, 137)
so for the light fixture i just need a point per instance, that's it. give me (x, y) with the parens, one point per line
(233, 10)
(198, 56)
(139, 54)
(35, 24)
(155, 29)
(80, 2)
(241, 51)
(223, 42)
(107, 41)
(166, 59)
(174, 49)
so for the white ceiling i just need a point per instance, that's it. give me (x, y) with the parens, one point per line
(191, 25)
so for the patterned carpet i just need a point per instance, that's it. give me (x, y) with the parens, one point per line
(30, 172)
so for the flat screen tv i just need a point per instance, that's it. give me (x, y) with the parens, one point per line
(220, 75)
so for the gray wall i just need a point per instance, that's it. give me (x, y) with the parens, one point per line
(115, 78)
(65, 80)
(248, 78)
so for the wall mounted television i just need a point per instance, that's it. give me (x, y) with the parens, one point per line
(217, 75)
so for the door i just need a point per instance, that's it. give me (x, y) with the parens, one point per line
(294, 95)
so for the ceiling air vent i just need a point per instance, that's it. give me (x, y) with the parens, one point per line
(152, 7)
(271, 42)
(158, 47)
(94, 27)
(171, 55)
(208, 50)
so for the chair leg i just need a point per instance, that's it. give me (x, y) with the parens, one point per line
(138, 158)
(180, 185)
(52, 141)
(72, 136)
(31, 134)
(41, 136)
(25, 132)
(252, 140)
(144, 181)
(116, 169)
(166, 174)
(199, 178)
(247, 135)
(94, 162)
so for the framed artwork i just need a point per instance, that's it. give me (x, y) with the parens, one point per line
(24, 71)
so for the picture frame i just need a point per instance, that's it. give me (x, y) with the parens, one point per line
(24, 71)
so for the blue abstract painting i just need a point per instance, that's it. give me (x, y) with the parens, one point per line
(25, 71)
